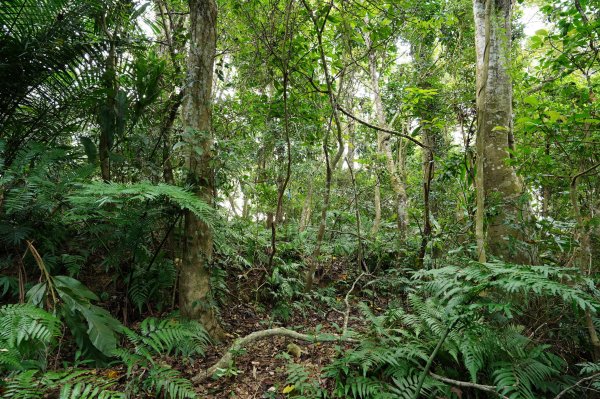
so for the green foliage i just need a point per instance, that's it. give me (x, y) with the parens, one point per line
(284, 284)
(100, 337)
(29, 329)
(26, 334)
(304, 386)
(156, 338)
(80, 73)
(472, 310)
(170, 383)
(164, 336)
(69, 384)
(103, 194)
(453, 283)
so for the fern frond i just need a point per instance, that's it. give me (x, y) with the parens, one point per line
(111, 193)
(25, 331)
(170, 383)
(164, 335)
(405, 386)
(24, 385)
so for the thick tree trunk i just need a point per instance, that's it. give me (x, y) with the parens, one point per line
(498, 186)
(194, 283)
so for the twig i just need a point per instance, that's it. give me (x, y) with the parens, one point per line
(464, 384)
(347, 302)
(581, 381)
(240, 343)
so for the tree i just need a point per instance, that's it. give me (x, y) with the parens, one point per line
(498, 186)
(384, 146)
(194, 282)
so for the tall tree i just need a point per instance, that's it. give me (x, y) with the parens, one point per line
(498, 185)
(194, 283)
(384, 146)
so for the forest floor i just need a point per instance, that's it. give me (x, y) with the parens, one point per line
(261, 371)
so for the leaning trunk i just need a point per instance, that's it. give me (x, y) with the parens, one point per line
(194, 283)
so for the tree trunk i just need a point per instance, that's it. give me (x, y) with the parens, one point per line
(306, 208)
(498, 186)
(377, 205)
(426, 112)
(194, 283)
(323, 221)
(384, 147)
(428, 167)
(107, 117)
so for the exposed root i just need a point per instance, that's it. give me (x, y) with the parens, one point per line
(240, 343)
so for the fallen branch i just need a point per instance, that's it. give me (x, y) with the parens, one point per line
(465, 384)
(240, 343)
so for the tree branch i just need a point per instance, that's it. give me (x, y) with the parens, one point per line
(464, 384)
(585, 172)
(381, 129)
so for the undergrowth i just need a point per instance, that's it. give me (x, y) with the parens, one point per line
(138, 367)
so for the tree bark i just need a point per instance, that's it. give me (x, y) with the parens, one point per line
(108, 112)
(194, 283)
(384, 147)
(377, 205)
(426, 111)
(323, 221)
(306, 208)
(498, 185)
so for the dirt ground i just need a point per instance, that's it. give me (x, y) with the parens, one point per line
(261, 370)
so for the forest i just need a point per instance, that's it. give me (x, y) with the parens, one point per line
(365, 199)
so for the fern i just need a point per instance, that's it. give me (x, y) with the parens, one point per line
(405, 386)
(163, 336)
(170, 383)
(25, 333)
(157, 338)
(195, 342)
(518, 379)
(100, 194)
(83, 390)
(71, 384)
(299, 380)
(75, 384)
(485, 344)
(24, 385)
(567, 284)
